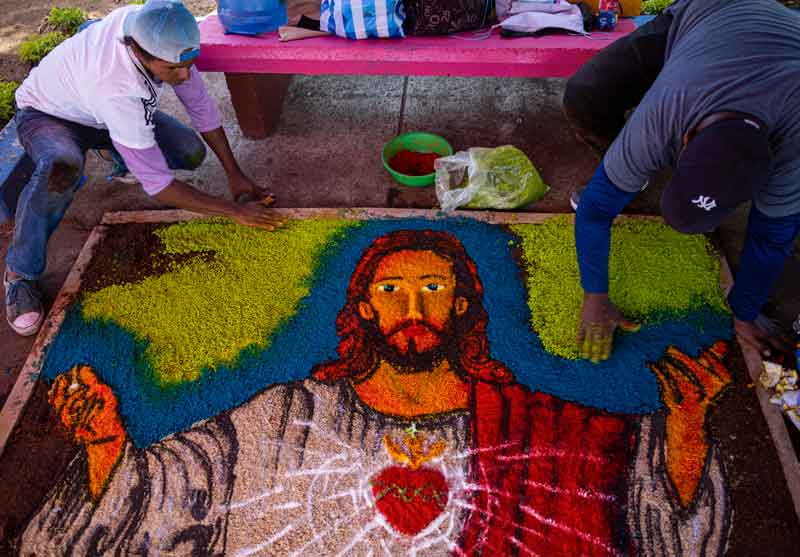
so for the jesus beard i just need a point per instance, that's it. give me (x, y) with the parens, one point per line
(413, 359)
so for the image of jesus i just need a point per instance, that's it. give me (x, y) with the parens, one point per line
(415, 441)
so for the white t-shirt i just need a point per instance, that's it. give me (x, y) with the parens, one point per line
(93, 79)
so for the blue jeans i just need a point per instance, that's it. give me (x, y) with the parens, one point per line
(58, 148)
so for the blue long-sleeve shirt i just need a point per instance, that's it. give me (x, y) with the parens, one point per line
(768, 242)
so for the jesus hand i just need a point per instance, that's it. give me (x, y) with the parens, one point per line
(88, 410)
(689, 386)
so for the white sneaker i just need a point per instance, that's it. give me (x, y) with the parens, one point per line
(24, 310)
(127, 178)
(575, 198)
(119, 172)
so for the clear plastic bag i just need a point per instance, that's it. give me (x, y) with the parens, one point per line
(482, 178)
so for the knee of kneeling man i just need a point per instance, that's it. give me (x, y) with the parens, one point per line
(577, 101)
(196, 155)
(63, 175)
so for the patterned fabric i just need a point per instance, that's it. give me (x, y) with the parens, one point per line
(442, 17)
(362, 19)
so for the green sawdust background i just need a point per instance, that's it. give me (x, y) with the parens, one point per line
(654, 273)
(202, 314)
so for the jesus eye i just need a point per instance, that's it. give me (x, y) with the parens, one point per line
(432, 287)
(388, 288)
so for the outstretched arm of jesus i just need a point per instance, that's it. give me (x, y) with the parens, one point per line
(677, 501)
(114, 498)
(688, 387)
(87, 409)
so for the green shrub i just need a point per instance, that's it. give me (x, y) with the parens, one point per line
(66, 20)
(36, 48)
(7, 90)
(655, 7)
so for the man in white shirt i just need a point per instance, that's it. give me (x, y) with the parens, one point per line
(100, 90)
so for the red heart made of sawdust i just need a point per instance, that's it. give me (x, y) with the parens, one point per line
(410, 499)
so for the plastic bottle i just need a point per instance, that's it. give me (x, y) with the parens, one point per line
(251, 17)
(608, 14)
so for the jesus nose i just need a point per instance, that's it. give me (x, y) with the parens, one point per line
(414, 310)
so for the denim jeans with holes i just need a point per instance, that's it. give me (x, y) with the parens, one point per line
(58, 148)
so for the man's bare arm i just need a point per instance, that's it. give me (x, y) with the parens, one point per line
(182, 195)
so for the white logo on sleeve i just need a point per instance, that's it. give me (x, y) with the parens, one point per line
(705, 202)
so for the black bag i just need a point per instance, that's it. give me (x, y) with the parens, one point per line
(443, 17)
(589, 19)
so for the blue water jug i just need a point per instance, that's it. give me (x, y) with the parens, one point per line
(251, 17)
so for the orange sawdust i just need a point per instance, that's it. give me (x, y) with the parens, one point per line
(416, 453)
(88, 410)
(689, 386)
(393, 392)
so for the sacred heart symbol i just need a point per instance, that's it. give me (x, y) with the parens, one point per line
(410, 499)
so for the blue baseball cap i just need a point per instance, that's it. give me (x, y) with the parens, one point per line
(165, 29)
(723, 166)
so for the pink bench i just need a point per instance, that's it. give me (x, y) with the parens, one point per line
(258, 70)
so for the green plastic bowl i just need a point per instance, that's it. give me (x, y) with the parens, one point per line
(419, 142)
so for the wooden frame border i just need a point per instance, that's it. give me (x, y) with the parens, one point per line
(772, 415)
(29, 375)
(23, 388)
(357, 213)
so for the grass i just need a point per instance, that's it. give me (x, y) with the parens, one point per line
(36, 48)
(655, 7)
(66, 20)
(7, 90)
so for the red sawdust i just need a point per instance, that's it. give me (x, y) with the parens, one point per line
(412, 163)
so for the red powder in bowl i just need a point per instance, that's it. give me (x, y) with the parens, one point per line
(412, 163)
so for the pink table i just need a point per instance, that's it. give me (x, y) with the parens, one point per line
(258, 69)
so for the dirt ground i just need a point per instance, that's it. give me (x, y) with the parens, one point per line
(20, 19)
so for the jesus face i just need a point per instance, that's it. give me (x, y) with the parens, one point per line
(412, 302)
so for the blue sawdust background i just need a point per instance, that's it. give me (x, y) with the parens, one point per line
(622, 384)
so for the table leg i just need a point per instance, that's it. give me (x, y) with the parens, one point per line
(258, 101)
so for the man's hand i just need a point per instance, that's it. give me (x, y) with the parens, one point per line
(256, 213)
(599, 320)
(252, 213)
(243, 188)
(763, 335)
(87, 408)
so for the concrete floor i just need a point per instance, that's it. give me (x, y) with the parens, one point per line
(326, 153)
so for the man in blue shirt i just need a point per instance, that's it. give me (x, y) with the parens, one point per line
(713, 86)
